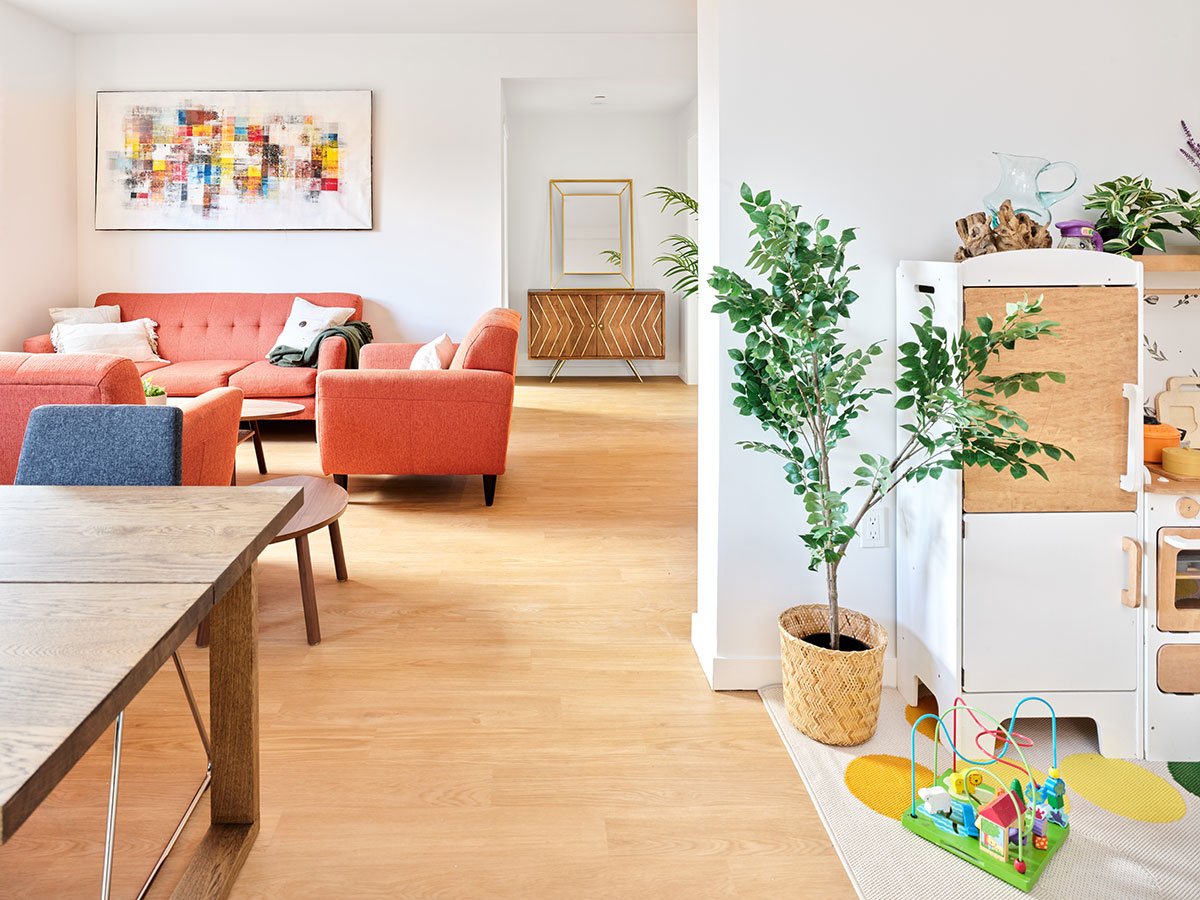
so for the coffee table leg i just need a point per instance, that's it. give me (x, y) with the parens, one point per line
(339, 555)
(308, 591)
(233, 710)
(256, 427)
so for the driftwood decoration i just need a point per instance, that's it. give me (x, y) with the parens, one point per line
(1013, 231)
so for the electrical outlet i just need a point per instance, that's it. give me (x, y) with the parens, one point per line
(871, 530)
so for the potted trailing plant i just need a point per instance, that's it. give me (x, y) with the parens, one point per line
(682, 256)
(1134, 216)
(798, 375)
(155, 396)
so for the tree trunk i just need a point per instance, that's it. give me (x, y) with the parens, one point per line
(835, 633)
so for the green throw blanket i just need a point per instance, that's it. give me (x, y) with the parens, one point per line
(357, 335)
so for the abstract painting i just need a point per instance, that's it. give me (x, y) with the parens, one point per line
(217, 160)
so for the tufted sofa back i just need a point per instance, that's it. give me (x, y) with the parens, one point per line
(218, 326)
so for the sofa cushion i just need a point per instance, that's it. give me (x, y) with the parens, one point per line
(150, 365)
(261, 379)
(193, 377)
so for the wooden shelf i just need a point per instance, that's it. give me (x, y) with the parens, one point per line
(1169, 262)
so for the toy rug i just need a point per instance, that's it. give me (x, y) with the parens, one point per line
(1135, 826)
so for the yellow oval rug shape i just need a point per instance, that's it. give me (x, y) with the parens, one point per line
(883, 782)
(926, 704)
(1123, 788)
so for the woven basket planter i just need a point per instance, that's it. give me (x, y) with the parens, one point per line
(832, 695)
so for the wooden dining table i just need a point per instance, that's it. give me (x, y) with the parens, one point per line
(98, 585)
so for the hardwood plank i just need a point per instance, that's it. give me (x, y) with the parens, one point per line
(135, 535)
(494, 688)
(72, 656)
(1087, 415)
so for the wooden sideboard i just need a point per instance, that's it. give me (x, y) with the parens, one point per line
(596, 323)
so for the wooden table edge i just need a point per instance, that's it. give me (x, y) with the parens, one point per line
(26, 799)
(264, 539)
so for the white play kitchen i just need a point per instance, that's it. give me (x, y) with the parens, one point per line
(1083, 589)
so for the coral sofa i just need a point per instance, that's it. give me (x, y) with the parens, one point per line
(385, 419)
(210, 422)
(222, 340)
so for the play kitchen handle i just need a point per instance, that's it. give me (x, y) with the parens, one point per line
(1131, 481)
(1019, 176)
(1132, 595)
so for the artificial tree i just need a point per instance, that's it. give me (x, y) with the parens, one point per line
(797, 375)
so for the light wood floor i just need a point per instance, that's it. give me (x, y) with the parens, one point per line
(505, 704)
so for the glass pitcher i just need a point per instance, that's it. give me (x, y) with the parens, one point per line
(1019, 183)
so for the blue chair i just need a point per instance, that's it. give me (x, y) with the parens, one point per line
(97, 445)
(102, 445)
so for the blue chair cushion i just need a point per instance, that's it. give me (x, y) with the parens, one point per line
(102, 445)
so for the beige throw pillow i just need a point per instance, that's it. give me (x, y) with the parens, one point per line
(79, 315)
(437, 354)
(134, 340)
(306, 321)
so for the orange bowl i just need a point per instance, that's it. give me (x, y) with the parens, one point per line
(1157, 437)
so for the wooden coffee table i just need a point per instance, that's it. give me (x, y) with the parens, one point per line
(253, 412)
(324, 503)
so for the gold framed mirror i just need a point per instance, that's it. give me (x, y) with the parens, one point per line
(591, 231)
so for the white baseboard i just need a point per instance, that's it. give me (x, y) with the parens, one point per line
(749, 673)
(591, 368)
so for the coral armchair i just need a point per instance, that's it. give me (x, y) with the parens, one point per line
(210, 422)
(385, 419)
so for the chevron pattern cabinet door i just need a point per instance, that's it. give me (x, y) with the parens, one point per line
(595, 323)
(630, 326)
(562, 325)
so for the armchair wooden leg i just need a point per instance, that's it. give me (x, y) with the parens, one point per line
(342, 481)
(489, 489)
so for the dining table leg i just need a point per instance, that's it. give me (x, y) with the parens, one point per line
(233, 714)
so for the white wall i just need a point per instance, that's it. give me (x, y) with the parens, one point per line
(648, 147)
(889, 126)
(37, 174)
(434, 259)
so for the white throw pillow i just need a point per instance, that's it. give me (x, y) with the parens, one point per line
(134, 340)
(78, 315)
(437, 354)
(307, 320)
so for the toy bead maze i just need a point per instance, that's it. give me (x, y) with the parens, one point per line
(1011, 831)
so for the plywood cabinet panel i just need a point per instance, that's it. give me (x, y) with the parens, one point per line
(596, 324)
(1087, 415)
(1068, 582)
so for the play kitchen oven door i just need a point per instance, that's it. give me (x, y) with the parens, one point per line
(1060, 557)
(1178, 579)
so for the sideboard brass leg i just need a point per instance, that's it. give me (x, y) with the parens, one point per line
(557, 368)
(633, 369)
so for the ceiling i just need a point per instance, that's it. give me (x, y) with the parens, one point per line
(564, 95)
(374, 16)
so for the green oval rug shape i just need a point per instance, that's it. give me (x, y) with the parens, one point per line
(1186, 775)
(1123, 788)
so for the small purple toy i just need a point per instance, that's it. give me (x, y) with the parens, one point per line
(1077, 234)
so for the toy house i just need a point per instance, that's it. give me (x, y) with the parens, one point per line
(995, 819)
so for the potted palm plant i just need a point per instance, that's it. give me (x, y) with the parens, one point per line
(798, 375)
